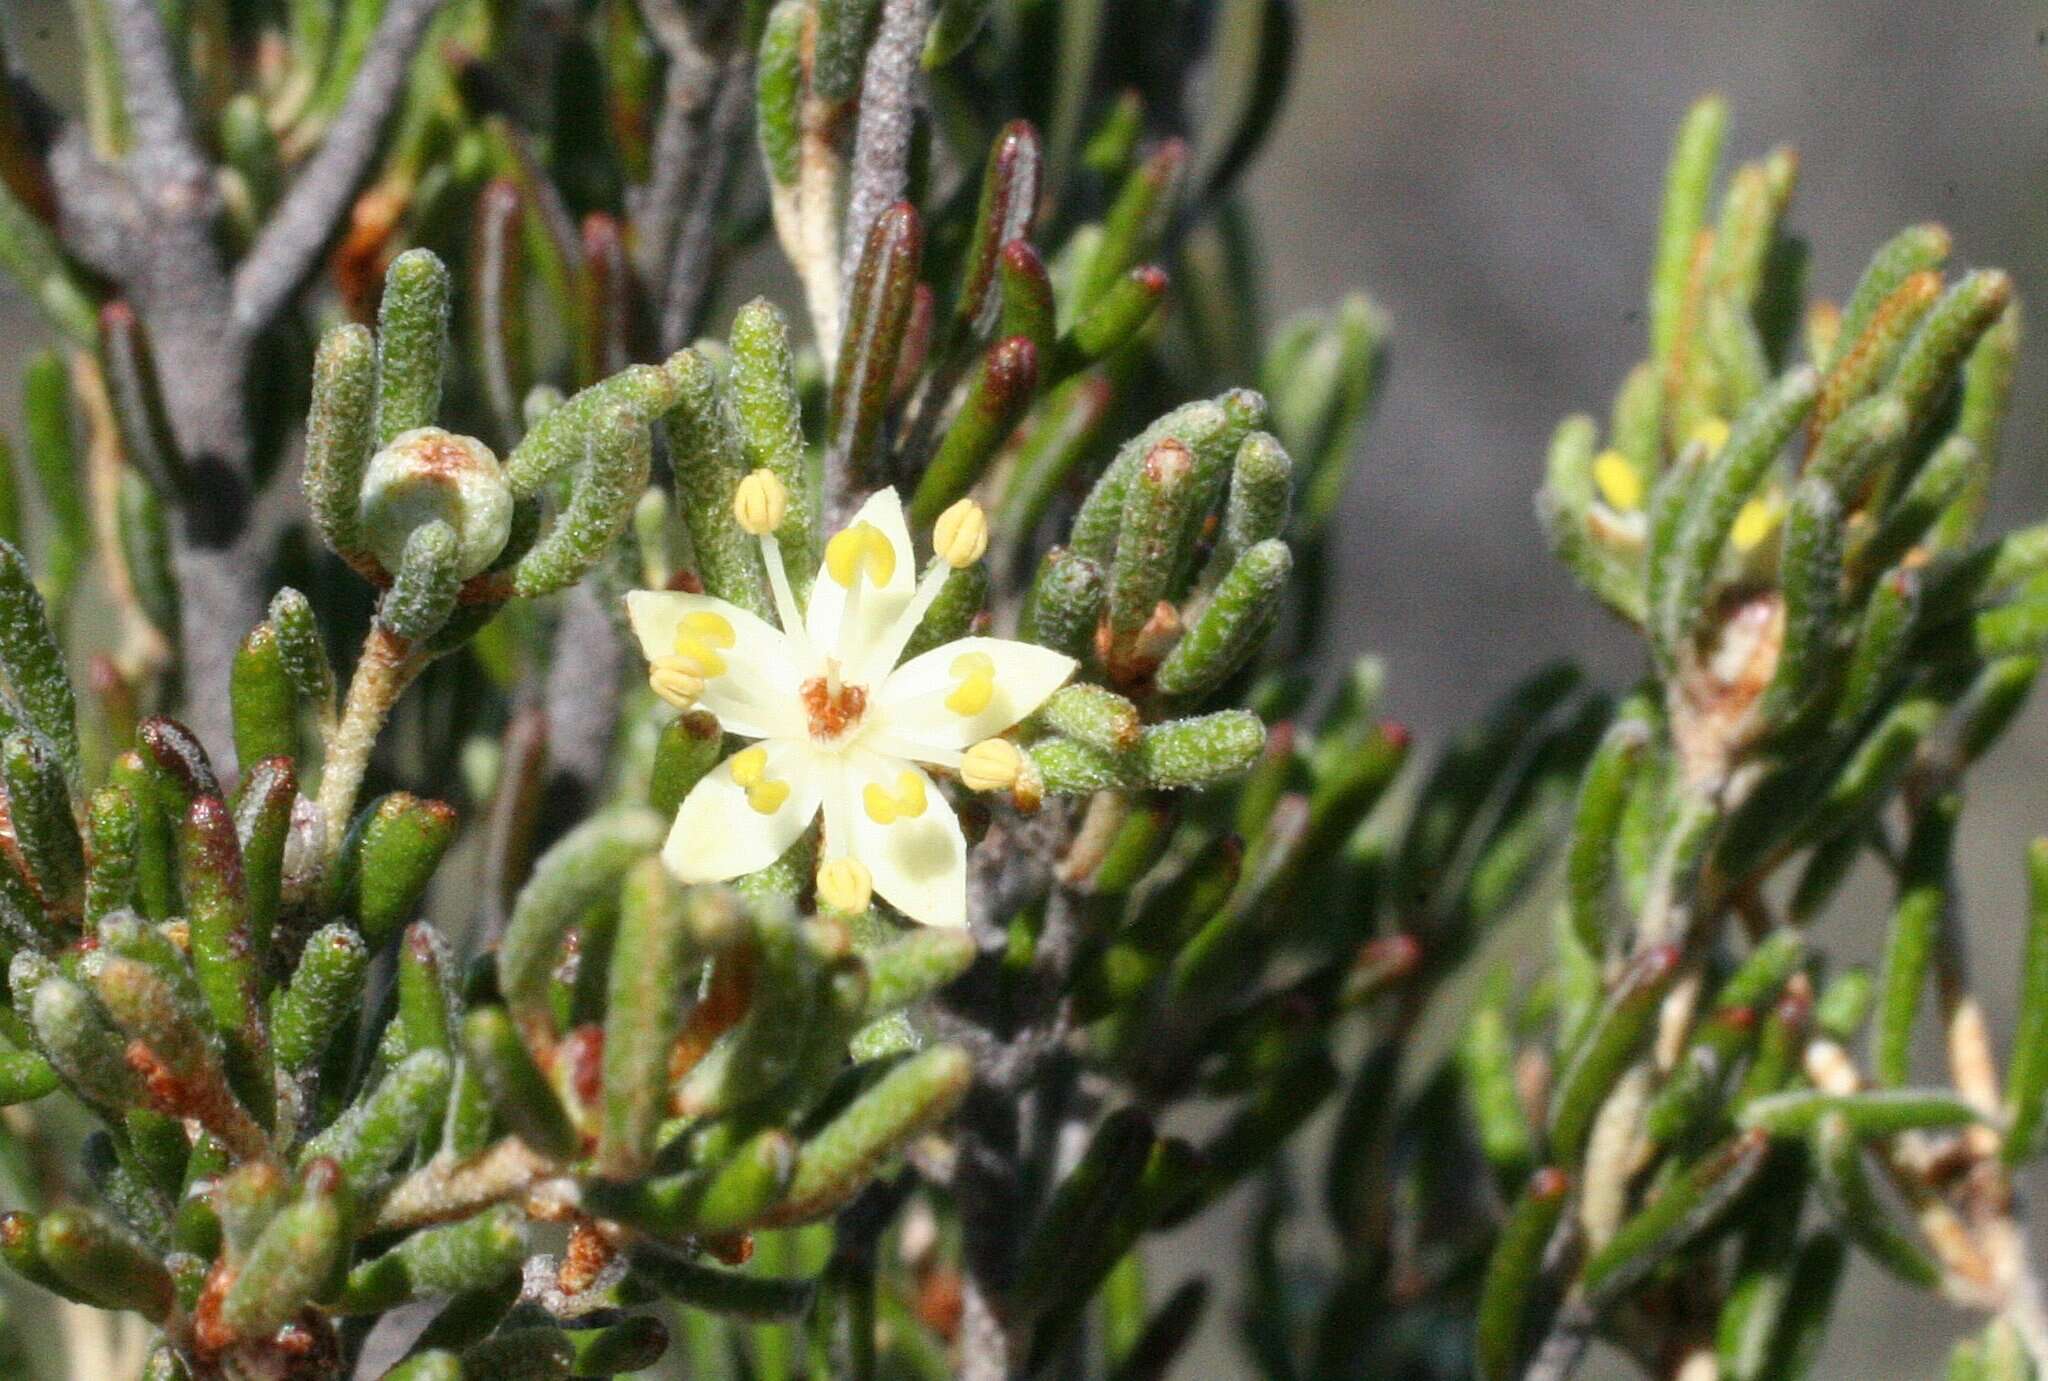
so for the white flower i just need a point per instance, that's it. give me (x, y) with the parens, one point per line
(841, 727)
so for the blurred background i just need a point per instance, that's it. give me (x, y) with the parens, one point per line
(1490, 173)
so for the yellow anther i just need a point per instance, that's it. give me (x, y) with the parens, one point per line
(961, 534)
(676, 680)
(842, 555)
(886, 807)
(977, 673)
(760, 503)
(708, 627)
(1711, 434)
(767, 797)
(1757, 521)
(1621, 488)
(879, 804)
(749, 773)
(748, 765)
(972, 695)
(991, 765)
(844, 884)
(881, 557)
(861, 547)
(694, 652)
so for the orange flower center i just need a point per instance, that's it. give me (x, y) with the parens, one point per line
(834, 707)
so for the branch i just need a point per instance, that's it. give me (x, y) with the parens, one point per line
(165, 159)
(697, 234)
(97, 216)
(584, 684)
(888, 111)
(669, 27)
(689, 86)
(1558, 1356)
(290, 244)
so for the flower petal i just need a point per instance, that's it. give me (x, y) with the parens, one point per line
(719, 834)
(919, 863)
(879, 605)
(910, 708)
(755, 695)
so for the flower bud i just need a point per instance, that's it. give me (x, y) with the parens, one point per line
(961, 534)
(428, 473)
(760, 503)
(991, 765)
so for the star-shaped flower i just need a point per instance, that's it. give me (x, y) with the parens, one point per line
(840, 726)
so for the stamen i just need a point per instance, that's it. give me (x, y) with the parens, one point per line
(759, 505)
(854, 552)
(906, 802)
(1757, 520)
(709, 627)
(844, 884)
(961, 535)
(676, 680)
(959, 539)
(749, 769)
(1621, 488)
(977, 673)
(748, 765)
(696, 647)
(767, 797)
(890, 647)
(785, 598)
(1710, 435)
(760, 502)
(861, 547)
(879, 804)
(991, 765)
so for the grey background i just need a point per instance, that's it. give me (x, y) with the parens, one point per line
(1490, 173)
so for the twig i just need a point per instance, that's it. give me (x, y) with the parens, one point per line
(582, 697)
(290, 243)
(991, 1155)
(97, 214)
(668, 25)
(808, 221)
(1559, 1354)
(388, 665)
(164, 159)
(508, 828)
(888, 113)
(687, 89)
(696, 235)
(445, 1188)
(2025, 1309)
(143, 647)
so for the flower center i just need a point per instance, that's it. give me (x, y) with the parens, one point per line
(833, 706)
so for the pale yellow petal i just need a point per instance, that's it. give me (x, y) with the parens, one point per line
(918, 858)
(878, 605)
(955, 696)
(751, 671)
(724, 828)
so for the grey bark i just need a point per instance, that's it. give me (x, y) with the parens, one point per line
(889, 97)
(152, 225)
